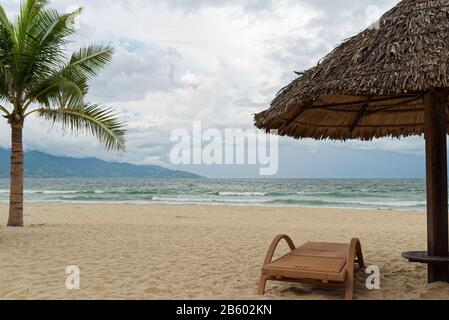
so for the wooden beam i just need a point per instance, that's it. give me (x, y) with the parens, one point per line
(318, 125)
(358, 118)
(437, 184)
(394, 105)
(387, 110)
(364, 101)
(381, 109)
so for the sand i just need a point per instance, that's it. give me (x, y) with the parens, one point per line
(197, 252)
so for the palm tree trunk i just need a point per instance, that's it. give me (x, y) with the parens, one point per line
(16, 188)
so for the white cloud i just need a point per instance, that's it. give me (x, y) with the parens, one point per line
(215, 61)
(189, 79)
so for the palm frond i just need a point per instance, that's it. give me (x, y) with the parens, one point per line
(28, 10)
(83, 65)
(86, 62)
(4, 21)
(21, 34)
(99, 121)
(54, 27)
(50, 92)
(42, 50)
(46, 39)
(5, 111)
(4, 92)
(6, 45)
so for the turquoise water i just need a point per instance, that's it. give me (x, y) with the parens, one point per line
(372, 194)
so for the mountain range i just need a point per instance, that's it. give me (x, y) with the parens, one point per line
(42, 165)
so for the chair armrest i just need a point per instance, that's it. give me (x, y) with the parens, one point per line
(274, 245)
(355, 251)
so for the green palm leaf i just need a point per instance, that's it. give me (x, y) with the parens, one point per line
(86, 62)
(83, 65)
(6, 45)
(99, 121)
(46, 38)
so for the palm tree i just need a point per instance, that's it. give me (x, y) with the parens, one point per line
(38, 77)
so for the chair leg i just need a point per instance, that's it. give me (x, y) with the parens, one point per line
(262, 285)
(349, 289)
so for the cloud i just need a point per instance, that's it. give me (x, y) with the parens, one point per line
(217, 62)
(137, 69)
(189, 79)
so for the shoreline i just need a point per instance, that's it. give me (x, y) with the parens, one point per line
(198, 252)
(243, 205)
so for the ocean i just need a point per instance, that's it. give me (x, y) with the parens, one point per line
(394, 194)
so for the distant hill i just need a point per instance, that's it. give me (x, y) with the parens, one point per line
(42, 165)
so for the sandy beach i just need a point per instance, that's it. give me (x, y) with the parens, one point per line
(197, 252)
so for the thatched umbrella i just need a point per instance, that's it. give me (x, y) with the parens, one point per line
(391, 80)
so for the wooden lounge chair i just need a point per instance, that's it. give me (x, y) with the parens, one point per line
(314, 262)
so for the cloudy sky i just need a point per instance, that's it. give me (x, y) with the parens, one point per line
(218, 62)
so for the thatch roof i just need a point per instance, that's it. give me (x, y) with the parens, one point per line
(373, 84)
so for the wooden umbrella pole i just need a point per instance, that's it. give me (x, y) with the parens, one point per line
(437, 182)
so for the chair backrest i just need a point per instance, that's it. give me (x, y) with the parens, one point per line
(323, 249)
